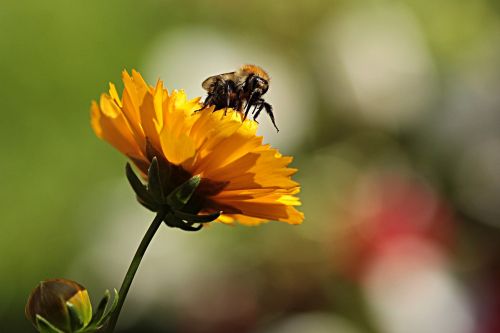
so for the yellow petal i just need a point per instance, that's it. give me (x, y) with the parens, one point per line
(151, 115)
(112, 127)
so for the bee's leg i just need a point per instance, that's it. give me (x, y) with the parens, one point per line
(251, 101)
(228, 91)
(238, 105)
(255, 107)
(247, 109)
(239, 100)
(206, 103)
(218, 93)
(269, 111)
(259, 109)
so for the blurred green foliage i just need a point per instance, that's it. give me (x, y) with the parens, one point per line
(56, 56)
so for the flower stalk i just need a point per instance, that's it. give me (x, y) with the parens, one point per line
(169, 208)
(134, 265)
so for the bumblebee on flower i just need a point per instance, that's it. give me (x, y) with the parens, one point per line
(199, 166)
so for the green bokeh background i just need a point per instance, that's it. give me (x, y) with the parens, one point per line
(57, 56)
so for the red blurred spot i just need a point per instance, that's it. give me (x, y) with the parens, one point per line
(385, 211)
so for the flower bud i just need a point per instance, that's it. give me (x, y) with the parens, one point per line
(59, 305)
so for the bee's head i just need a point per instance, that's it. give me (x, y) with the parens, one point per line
(257, 80)
(256, 84)
(261, 84)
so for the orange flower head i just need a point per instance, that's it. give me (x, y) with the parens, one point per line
(238, 178)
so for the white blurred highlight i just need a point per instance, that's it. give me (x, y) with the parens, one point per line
(314, 323)
(389, 74)
(478, 180)
(469, 128)
(412, 291)
(184, 58)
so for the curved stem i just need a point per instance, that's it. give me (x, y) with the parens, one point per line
(134, 265)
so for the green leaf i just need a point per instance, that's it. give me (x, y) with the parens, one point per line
(44, 326)
(154, 181)
(193, 218)
(181, 195)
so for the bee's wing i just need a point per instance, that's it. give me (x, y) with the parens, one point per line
(208, 83)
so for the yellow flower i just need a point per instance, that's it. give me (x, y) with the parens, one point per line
(247, 181)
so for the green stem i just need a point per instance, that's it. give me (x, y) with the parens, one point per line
(134, 265)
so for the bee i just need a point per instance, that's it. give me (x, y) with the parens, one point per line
(239, 90)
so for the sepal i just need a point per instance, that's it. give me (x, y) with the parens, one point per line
(141, 191)
(43, 326)
(180, 196)
(196, 218)
(178, 205)
(155, 187)
(103, 311)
